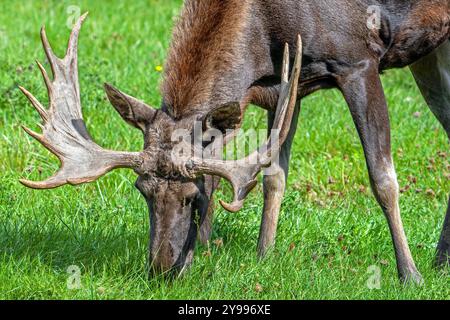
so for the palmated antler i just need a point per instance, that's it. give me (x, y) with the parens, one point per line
(242, 173)
(64, 131)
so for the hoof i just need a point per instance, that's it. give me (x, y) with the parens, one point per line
(412, 278)
(264, 250)
(442, 260)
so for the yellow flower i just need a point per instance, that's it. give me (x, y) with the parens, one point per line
(159, 68)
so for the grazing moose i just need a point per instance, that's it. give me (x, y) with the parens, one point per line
(226, 54)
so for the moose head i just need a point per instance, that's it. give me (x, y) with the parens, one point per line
(174, 185)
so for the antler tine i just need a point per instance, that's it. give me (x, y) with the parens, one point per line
(36, 104)
(73, 40)
(72, 47)
(285, 67)
(263, 157)
(51, 57)
(284, 105)
(64, 131)
(242, 173)
(48, 82)
(291, 94)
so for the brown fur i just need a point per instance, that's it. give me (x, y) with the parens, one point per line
(424, 26)
(206, 36)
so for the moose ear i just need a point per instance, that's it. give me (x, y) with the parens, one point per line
(133, 111)
(224, 117)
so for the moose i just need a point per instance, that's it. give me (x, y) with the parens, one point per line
(227, 54)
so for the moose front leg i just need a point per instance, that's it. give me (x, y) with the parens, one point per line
(363, 91)
(274, 188)
(205, 230)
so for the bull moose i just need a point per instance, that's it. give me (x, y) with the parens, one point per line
(227, 54)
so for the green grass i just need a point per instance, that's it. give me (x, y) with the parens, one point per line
(329, 234)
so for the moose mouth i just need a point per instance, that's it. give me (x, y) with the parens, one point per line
(161, 260)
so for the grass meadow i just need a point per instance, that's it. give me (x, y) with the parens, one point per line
(332, 235)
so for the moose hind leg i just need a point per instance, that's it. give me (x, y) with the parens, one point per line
(274, 188)
(432, 75)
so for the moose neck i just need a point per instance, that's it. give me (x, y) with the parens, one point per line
(218, 51)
